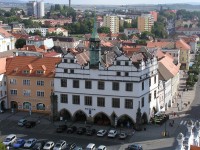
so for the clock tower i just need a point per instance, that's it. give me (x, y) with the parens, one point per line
(95, 47)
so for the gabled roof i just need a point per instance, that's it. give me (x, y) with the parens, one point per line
(4, 33)
(182, 45)
(3, 65)
(34, 64)
(32, 48)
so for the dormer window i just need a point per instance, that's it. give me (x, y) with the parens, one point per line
(39, 72)
(118, 63)
(126, 63)
(26, 71)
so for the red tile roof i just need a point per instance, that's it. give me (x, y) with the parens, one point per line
(16, 65)
(4, 33)
(32, 48)
(182, 45)
(3, 65)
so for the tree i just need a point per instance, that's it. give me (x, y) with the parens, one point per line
(145, 35)
(20, 43)
(104, 30)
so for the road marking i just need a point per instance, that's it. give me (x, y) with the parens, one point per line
(181, 122)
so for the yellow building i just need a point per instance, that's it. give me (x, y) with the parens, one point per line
(145, 22)
(112, 22)
(30, 82)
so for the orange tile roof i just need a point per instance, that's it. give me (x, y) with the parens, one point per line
(4, 33)
(182, 45)
(16, 65)
(3, 65)
(157, 44)
(194, 147)
(159, 54)
(32, 48)
(106, 43)
(44, 47)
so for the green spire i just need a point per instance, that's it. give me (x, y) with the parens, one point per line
(94, 32)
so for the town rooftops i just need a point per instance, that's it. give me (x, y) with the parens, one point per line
(3, 65)
(63, 39)
(4, 33)
(32, 66)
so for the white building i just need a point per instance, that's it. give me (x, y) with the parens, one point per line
(106, 87)
(33, 30)
(48, 42)
(188, 31)
(35, 9)
(131, 31)
(65, 42)
(3, 87)
(7, 41)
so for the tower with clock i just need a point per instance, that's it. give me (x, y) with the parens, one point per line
(95, 47)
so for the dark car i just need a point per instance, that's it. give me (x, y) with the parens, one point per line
(134, 147)
(30, 124)
(71, 129)
(81, 130)
(39, 145)
(61, 128)
(90, 131)
(71, 146)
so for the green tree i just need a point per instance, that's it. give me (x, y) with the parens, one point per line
(104, 30)
(20, 43)
(127, 25)
(134, 23)
(159, 30)
(145, 35)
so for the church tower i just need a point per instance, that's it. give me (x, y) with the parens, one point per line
(95, 47)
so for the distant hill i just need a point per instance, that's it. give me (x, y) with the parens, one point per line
(10, 1)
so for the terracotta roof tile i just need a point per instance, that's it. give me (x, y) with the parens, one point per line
(4, 33)
(3, 65)
(16, 65)
(182, 45)
(32, 48)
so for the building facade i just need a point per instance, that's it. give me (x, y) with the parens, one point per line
(112, 22)
(145, 22)
(35, 9)
(33, 30)
(30, 82)
(7, 41)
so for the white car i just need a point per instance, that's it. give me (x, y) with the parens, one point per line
(30, 143)
(102, 147)
(49, 145)
(22, 122)
(60, 145)
(112, 133)
(101, 132)
(10, 139)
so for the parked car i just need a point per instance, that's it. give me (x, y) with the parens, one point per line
(60, 145)
(19, 143)
(61, 128)
(30, 124)
(30, 143)
(90, 131)
(78, 148)
(134, 147)
(10, 139)
(112, 133)
(102, 147)
(122, 135)
(38, 145)
(91, 146)
(21, 122)
(71, 146)
(81, 130)
(101, 132)
(49, 145)
(71, 129)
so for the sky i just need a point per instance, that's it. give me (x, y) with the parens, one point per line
(121, 2)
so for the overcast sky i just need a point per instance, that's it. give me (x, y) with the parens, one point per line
(121, 2)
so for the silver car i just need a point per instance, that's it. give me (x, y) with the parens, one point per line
(60, 145)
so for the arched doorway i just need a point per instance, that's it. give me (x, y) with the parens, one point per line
(27, 105)
(13, 105)
(102, 119)
(125, 121)
(3, 107)
(80, 116)
(40, 106)
(65, 114)
(144, 118)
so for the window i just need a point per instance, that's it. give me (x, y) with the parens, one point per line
(63, 82)
(26, 82)
(40, 83)
(116, 102)
(143, 85)
(13, 92)
(75, 83)
(88, 100)
(27, 105)
(40, 93)
(71, 60)
(101, 101)
(76, 99)
(72, 71)
(40, 106)
(126, 63)
(154, 79)
(118, 63)
(149, 82)
(154, 94)
(129, 86)
(13, 81)
(88, 84)
(149, 97)
(142, 101)
(126, 74)
(39, 72)
(100, 85)
(65, 60)
(26, 92)
(115, 86)
(63, 98)
(118, 74)
(65, 70)
(129, 103)
(26, 72)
